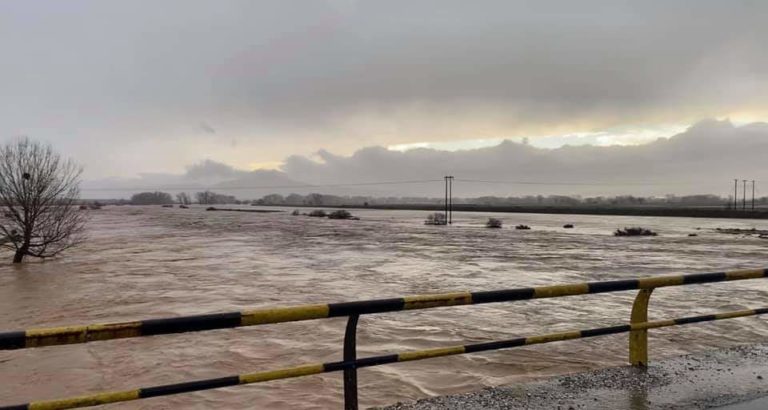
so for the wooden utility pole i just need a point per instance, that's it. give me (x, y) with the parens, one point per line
(450, 199)
(735, 194)
(446, 198)
(744, 196)
(753, 195)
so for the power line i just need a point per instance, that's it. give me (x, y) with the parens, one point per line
(147, 188)
(405, 182)
(638, 183)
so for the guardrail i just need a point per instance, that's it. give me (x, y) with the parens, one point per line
(637, 329)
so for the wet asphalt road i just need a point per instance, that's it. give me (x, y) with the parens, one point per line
(728, 379)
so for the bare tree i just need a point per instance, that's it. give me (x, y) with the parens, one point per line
(204, 198)
(151, 198)
(39, 192)
(183, 198)
(212, 198)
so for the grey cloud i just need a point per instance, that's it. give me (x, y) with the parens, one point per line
(703, 159)
(345, 74)
(209, 169)
(207, 128)
(207, 174)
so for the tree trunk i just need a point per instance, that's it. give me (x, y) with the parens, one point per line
(19, 256)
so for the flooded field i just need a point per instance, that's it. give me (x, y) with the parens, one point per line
(147, 262)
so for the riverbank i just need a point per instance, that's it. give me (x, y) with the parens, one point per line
(707, 380)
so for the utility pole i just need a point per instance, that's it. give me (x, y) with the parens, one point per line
(753, 195)
(735, 194)
(744, 196)
(450, 199)
(446, 198)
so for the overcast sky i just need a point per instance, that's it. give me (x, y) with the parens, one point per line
(127, 87)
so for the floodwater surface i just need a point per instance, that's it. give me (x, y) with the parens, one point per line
(149, 262)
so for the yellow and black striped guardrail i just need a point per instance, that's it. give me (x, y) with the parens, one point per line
(637, 328)
(89, 333)
(317, 368)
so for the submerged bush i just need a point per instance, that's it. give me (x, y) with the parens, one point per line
(340, 214)
(493, 223)
(436, 218)
(318, 213)
(635, 231)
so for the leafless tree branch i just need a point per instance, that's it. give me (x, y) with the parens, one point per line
(38, 197)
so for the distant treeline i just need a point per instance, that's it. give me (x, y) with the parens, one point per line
(164, 198)
(316, 199)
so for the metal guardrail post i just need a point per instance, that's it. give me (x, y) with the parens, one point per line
(350, 356)
(638, 339)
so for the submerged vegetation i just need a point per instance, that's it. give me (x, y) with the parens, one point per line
(634, 231)
(340, 214)
(436, 218)
(493, 223)
(337, 214)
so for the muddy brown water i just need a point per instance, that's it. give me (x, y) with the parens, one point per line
(148, 262)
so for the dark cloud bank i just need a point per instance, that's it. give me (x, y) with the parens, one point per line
(703, 159)
(99, 77)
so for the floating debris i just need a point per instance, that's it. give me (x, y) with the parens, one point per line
(568, 226)
(182, 206)
(167, 205)
(295, 212)
(318, 213)
(522, 227)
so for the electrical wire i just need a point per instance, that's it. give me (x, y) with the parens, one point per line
(266, 186)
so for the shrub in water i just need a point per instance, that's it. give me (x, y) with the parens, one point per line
(635, 231)
(340, 214)
(493, 223)
(436, 218)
